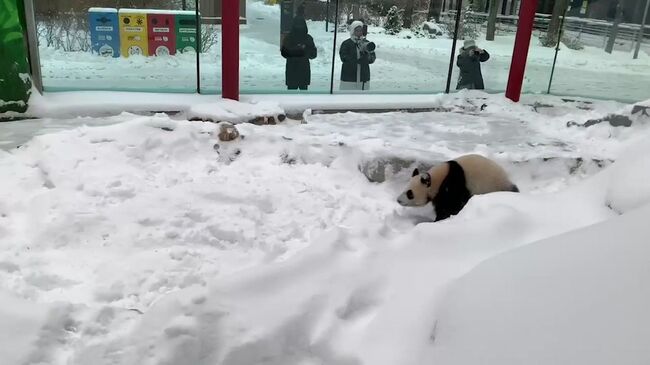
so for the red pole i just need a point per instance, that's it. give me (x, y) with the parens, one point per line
(520, 51)
(230, 49)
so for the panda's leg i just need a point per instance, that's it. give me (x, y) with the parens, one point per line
(442, 213)
(449, 204)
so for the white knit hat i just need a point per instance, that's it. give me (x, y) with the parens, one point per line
(469, 44)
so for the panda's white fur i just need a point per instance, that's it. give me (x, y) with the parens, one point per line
(478, 174)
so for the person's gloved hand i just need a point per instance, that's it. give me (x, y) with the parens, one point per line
(299, 51)
(363, 57)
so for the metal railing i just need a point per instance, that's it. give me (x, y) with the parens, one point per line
(593, 32)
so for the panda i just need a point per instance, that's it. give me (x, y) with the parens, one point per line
(450, 185)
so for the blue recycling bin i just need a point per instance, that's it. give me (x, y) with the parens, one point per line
(104, 31)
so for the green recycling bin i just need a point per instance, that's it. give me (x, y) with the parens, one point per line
(186, 35)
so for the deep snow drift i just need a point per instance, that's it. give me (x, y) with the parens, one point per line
(579, 298)
(138, 242)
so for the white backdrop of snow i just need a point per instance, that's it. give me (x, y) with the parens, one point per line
(260, 259)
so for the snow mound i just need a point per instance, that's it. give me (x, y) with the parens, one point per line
(365, 292)
(579, 298)
(32, 333)
(233, 111)
(271, 249)
(630, 178)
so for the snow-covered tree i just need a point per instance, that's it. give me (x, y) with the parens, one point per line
(393, 23)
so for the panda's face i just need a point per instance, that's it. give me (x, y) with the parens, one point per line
(417, 192)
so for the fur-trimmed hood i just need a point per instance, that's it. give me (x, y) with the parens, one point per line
(355, 24)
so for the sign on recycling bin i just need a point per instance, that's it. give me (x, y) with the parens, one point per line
(133, 32)
(186, 34)
(104, 31)
(161, 32)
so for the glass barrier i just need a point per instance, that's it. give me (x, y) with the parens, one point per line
(286, 47)
(485, 42)
(589, 48)
(209, 65)
(603, 50)
(392, 47)
(118, 49)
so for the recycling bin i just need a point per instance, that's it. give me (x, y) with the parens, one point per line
(161, 32)
(186, 36)
(133, 32)
(104, 31)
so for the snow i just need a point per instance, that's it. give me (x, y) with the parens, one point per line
(100, 103)
(102, 10)
(131, 239)
(629, 189)
(138, 11)
(233, 111)
(404, 65)
(579, 298)
(21, 321)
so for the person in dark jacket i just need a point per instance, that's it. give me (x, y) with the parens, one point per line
(469, 62)
(357, 53)
(298, 48)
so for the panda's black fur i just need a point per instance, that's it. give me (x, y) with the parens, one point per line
(453, 193)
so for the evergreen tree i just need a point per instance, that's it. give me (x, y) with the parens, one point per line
(393, 21)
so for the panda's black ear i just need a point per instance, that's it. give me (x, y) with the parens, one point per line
(426, 179)
(416, 172)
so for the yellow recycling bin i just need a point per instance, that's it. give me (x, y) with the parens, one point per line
(133, 32)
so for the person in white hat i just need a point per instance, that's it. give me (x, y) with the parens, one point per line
(357, 54)
(469, 62)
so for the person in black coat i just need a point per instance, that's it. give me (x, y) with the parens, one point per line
(469, 62)
(357, 53)
(298, 48)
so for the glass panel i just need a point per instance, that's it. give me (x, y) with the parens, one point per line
(602, 53)
(210, 38)
(121, 49)
(412, 47)
(303, 64)
(486, 37)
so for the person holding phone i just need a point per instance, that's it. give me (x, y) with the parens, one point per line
(298, 48)
(469, 62)
(357, 54)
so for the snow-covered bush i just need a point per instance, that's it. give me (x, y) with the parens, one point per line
(394, 22)
(573, 43)
(469, 27)
(210, 36)
(64, 31)
(433, 28)
(428, 30)
(546, 41)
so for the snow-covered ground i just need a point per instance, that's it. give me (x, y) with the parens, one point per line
(415, 65)
(133, 240)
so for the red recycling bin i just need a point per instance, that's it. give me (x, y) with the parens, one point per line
(162, 33)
